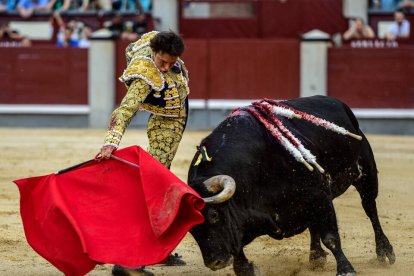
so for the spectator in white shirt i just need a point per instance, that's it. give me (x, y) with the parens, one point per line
(400, 28)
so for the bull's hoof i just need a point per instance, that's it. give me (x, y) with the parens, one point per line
(174, 260)
(384, 250)
(247, 269)
(384, 253)
(118, 270)
(346, 270)
(383, 258)
(347, 274)
(317, 259)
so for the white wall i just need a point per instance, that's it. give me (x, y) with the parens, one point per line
(101, 82)
(356, 8)
(167, 11)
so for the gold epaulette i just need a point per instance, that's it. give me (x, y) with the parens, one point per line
(144, 68)
(143, 41)
(139, 47)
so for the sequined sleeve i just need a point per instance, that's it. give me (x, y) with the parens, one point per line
(122, 116)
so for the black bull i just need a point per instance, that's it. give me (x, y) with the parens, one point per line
(278, 196)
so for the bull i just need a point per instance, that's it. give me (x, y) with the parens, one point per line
(254, 186)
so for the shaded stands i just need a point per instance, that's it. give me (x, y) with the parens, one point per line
(95, 19)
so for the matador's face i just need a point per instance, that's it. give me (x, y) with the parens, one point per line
(164, 61)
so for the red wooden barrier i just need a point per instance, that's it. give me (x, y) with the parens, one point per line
(196, 58)
(372, 78)
(220, 69)
(268, 19)
(252, 69)
(43, 75)
(293, 18)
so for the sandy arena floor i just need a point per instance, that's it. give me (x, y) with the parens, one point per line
(32, 152)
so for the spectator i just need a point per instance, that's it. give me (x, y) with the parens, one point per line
(69, 5)
(406, 4)
(146, 5)
(27, 7)
(85, 35)
(75, 26)
(3, 6)
(7, 5)
(133, 30)
(140, 24)
(101, 5)
(79, 5)
(116, 25)
(127, 5)
(25, 42)
(7, 33)
(388, 4)
(359, 30)
(400, 28)
(130, 30)
(58, 5)
(65, 38)
(391, 4)
(72, 33)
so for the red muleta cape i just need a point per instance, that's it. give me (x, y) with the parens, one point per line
(108, 212)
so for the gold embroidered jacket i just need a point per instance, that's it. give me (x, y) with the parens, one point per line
(149, 89)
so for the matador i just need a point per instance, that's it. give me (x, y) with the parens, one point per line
(157, 82)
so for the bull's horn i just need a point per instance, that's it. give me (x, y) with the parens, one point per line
(224, 185)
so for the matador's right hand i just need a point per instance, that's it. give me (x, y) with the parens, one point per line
(106, 152)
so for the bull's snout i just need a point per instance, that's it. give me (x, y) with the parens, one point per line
(219, 264)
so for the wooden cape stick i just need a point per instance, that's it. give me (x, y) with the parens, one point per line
(95, 159)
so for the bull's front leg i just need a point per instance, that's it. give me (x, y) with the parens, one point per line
(242, 266)
(343, 266)
(317, 256)
(325, 223)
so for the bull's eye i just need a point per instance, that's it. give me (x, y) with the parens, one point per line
(213, 216)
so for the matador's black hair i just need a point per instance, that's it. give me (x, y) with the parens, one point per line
(168, 42)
